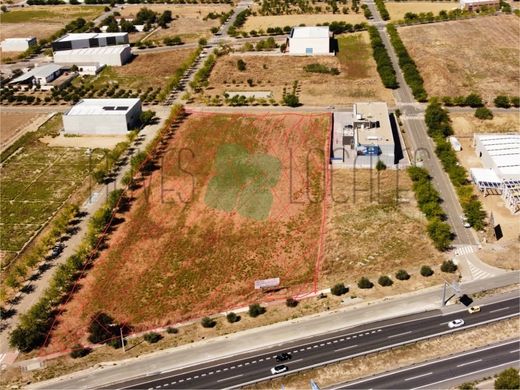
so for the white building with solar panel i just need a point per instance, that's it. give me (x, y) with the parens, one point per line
(102, 117)
(500, 156)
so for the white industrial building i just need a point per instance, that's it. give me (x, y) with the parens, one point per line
(86, 40)
(18, 44)
(110, 55)
(102, 117)
(500, 156)
(309, 41)
(365, 135)
(40, 76)
(473, 5)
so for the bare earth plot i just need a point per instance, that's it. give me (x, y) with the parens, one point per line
(398, 9)
(264, 22)
(43, 21)
(357, 81)
(368, 235)
(12, 123)
(451, 65)
(197, 242)
(188, 21)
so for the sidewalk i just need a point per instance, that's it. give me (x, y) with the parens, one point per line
(271, 335)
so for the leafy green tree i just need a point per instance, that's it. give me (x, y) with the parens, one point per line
(78, 351)
(502, 101)
(515, 101)
(385, 281)
(208, 322)
(172, 330)
(448, 266)
(255, 310)
(426, 271)
(380, 166)
(339, 289)
(402, 275)
(101, 328)
(440, 234)
(203, 41)
(365, 283)
(467, 386)
(291, 100)
(483, 113)
(508, 379)
(152, 337)
(232, 317)
(241, 65)
(474, 100)
(475, 214)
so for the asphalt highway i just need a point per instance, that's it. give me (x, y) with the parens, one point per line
(319, 350)
(454, 369)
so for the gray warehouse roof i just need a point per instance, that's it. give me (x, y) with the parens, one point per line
(93, 50)
(39, 71)
(310, 32)
(103, 107)
(77, 36)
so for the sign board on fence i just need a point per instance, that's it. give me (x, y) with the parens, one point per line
(264, 283)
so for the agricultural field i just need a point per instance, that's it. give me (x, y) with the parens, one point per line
(451, 67)
(188, 23)
(368, 234)
(36, 180)
(43, 21)
(357, 81)
(264, 22)
(239, 209)
(13, 123)
(397, 10)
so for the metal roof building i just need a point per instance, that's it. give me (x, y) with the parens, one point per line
(39, 75)
(110, 55)
(102, 116)
(309, 41)
(500, 156)
(85, 40)
(18, 44)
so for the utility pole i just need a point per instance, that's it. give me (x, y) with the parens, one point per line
(122, 339)
(454, 286)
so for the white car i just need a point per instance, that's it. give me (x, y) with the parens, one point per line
(279, 369)
(455, 323)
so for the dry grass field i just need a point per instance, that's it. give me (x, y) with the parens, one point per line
(12, 123)
(368, 235)
(188, 23)
(398, 9)
(450, 66)
(465, 124)
(263, 22)
(42, 21)
(192, 248)
(358, 79)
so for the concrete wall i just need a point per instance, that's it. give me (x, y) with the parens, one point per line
(95, 124)
(299, 46)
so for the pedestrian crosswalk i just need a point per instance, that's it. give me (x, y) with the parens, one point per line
(464, 250)
(478, 273)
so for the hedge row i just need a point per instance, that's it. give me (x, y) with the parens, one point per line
(384, 63)
(380, 4)
(429, 202)
(201, 77)
(439, 127)
(408, 66)
(174, 81)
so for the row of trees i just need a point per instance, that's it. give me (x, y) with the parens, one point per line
(454, 14)
(384, 63)
(504, 101)
(114, 2)
(200, 79)
(429, 202)
(411, 73)
(288, 7)
(380, 4)
(320, 68)
(439, 127)
(472, 100)
(239, 22)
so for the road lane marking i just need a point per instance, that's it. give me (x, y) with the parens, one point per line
(502, 308)
(315, 346)
(240, 365)
(231, 377)
(342, 349)
(341, 339)
(399, 334)
(253, 362)
(418, 376)
(322, 344)
(516, 350)
(195, 377)
(329, 342)
(211, 372)
(468, 363)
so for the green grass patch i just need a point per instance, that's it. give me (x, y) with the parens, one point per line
(52, 14)
(353, 55)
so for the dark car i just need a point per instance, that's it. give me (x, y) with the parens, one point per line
(57, 249)
(281, 357)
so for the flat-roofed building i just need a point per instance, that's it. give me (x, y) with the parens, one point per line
(365, 135)
(102, 116)
(500, 157)
(473, 5)
(315, 40)
(18, 44)
(40, 76)
(86, 40)
(113, 55)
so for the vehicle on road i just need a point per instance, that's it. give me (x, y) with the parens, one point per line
(474, 309)
(281, 357)
(57, 249)
(465, 222)
(279, 369)
(455, 323)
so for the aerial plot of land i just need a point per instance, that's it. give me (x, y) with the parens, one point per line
(451, 67)
(264, 22)
(190, 23)
(397, 10)
(41, 22)
(245, 199)
(357, 79)
(370, 234)
(12, 124)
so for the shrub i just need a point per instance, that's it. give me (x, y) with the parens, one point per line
(380, 166)
(203, 41)
(78, 351)
(515, 101)
(365, 283)
(448, 266)
(320, 68)
(207, 322)
(291, 100)
(426, 271)
(339, 289)
(473, 100)
(116, 343)
(172, 330)
(291, 302)
(241, 65)
(255, 310)
(232, 317)
(483, 113)
(101, 328)
(385, 281)
(508, 379)
(152, 337)
(402, 275)
(502, 101)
